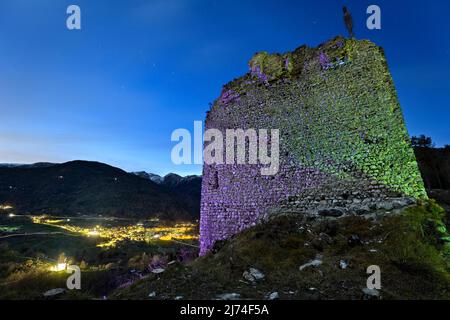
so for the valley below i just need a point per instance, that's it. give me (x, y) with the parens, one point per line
(36, 251)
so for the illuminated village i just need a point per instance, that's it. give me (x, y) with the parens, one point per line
(112, 236)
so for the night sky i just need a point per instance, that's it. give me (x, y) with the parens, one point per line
(114, 91)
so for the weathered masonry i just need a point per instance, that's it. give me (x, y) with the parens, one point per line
(344, 147)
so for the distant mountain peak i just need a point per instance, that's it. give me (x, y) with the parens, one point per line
(149, 176)
(169, 180)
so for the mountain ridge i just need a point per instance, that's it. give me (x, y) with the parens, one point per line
(91, 188)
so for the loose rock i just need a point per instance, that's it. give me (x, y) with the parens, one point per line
(158, 270)
(371, 293)
(313, 263)
(343, 264)
(253, 275)
(54, 292)
(229, 296)
(258, 275)
(274, 296)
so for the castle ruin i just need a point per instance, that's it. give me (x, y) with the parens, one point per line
(344, 147)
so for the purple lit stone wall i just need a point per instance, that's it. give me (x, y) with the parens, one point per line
(344, 147)
(242, 196)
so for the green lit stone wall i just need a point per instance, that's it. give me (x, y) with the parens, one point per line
(338, 111)
(352, 121)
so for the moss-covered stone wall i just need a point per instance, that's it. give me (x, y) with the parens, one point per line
(344, 147)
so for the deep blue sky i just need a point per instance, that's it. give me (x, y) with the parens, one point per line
(114, 91)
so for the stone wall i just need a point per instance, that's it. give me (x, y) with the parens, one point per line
(344, 148)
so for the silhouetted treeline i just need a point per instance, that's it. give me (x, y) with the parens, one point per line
(434, 164)
(422, 141)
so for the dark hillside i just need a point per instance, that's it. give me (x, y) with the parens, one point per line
(87, 188)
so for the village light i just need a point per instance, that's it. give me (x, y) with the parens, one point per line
(59, 267)
(94, 233)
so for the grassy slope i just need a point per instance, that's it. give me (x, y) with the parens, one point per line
(410, 252)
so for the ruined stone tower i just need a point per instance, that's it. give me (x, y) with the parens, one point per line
(344, 147)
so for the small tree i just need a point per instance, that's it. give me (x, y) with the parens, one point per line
(422, 141)
(62, 258)
(83, 264)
